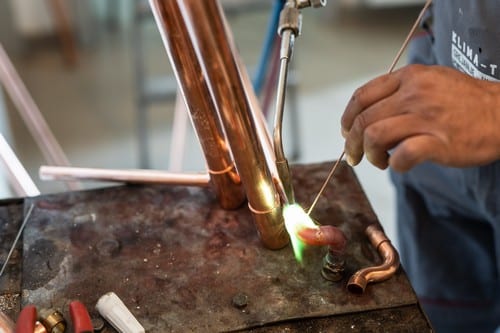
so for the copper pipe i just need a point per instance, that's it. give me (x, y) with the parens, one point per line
(19, 178)
(65, 30)
(261, 122)
(358, 282)
(6, 324)
(215, 52)
(333, 263)
(324, 235)
(31, 115)
(195, 90)
(124, 176)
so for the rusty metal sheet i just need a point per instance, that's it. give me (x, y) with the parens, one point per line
(403, 319)
(11, 215)
(181, 263)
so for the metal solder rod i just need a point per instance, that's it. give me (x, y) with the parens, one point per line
(26, 218)
(391, 68)
(330, 175)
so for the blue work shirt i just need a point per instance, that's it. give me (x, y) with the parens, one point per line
(449, 218)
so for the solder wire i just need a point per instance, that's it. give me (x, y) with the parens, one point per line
(19, 233)
(391, 68)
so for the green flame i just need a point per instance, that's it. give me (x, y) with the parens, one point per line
(296, 219)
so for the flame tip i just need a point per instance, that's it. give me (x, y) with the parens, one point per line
(296, 219)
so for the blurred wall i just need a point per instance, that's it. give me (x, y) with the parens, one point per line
(31, 17)
(8, 35)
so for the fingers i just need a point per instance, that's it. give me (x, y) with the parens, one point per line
(413, 151)
(367, 105)
(362, 129)
(407, 134)
(372, 92)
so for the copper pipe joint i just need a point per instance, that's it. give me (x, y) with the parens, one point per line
(358, 282)
(334, 261)
(272, 231)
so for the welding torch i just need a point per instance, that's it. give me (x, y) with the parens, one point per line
(289, 28)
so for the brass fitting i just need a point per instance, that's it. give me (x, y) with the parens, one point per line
(53, 321)
(333, 266)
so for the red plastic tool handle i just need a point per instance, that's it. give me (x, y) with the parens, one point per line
(80, 317)
(26, 320)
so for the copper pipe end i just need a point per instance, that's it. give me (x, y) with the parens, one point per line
(325, 235)
(227, 185)
(359, 280)
(357, 283)
(271, 227)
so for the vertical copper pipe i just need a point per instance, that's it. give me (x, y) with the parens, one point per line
(194, 88)
(207, 28)
(65, 31)
(200, 50)
(19, 178)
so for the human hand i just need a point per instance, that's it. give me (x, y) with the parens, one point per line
(423, 113)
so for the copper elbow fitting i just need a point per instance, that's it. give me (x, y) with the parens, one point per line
(359, 280)
(334, 261)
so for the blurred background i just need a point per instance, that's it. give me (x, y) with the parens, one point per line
(106, 90)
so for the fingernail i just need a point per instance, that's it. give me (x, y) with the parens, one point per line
(343, 132)
(349, 160)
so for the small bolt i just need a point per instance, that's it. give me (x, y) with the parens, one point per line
(79, 219)
(240, 300)
(97, 323)
(108, 247)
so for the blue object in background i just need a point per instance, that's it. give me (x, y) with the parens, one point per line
(271, 34)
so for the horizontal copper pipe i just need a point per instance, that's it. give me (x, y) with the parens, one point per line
(325, 235)
(123, 176)
(359, 280)
(333, 263)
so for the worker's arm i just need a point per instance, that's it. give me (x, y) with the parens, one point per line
(423, 113)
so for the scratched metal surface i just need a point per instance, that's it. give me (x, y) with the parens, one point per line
(11, 215)
(178, 261)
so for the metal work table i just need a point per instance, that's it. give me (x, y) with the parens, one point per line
(182, 264)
